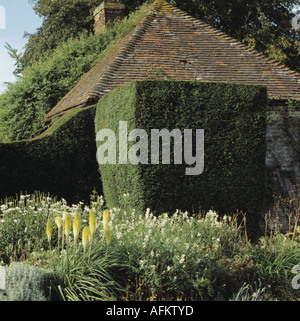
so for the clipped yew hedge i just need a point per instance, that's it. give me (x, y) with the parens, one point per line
(233, 117)
(61, 162)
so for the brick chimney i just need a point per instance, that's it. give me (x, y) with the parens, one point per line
(107, 13)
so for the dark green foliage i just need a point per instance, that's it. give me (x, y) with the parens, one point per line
(25, 103)
(99, 276)
(62, 161)
(265, 25)
(233, 117)
(62, 20)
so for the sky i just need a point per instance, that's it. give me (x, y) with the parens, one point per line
(16, 18)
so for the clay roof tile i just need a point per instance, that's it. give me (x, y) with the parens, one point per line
(170, 43)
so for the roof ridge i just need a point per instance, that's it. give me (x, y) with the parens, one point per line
(240, 44)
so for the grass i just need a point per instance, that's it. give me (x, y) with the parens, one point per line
(133, 256)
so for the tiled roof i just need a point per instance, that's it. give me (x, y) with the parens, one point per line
(170, 43)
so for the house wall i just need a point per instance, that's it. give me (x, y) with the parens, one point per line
(283, 153)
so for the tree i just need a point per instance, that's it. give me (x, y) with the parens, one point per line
(62, 20)
(265, 25)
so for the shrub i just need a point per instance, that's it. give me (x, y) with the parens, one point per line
(61, 161)
(233, 117)
(25, 283)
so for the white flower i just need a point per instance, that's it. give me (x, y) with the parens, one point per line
(181, 261)
(147, 214)
(211, 215)
(185, 215)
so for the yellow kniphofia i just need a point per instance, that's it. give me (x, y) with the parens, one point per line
(78, 217)
(58, 222)
(67, 225)
(49, 229)
(76, 227)
(105, 218)
(90, 235)
(65, 214)
(107, 234)
(92, 220)
(85, 237)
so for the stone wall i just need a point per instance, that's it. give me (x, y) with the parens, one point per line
(283, 152)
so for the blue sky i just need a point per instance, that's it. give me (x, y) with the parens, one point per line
(19, 17)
